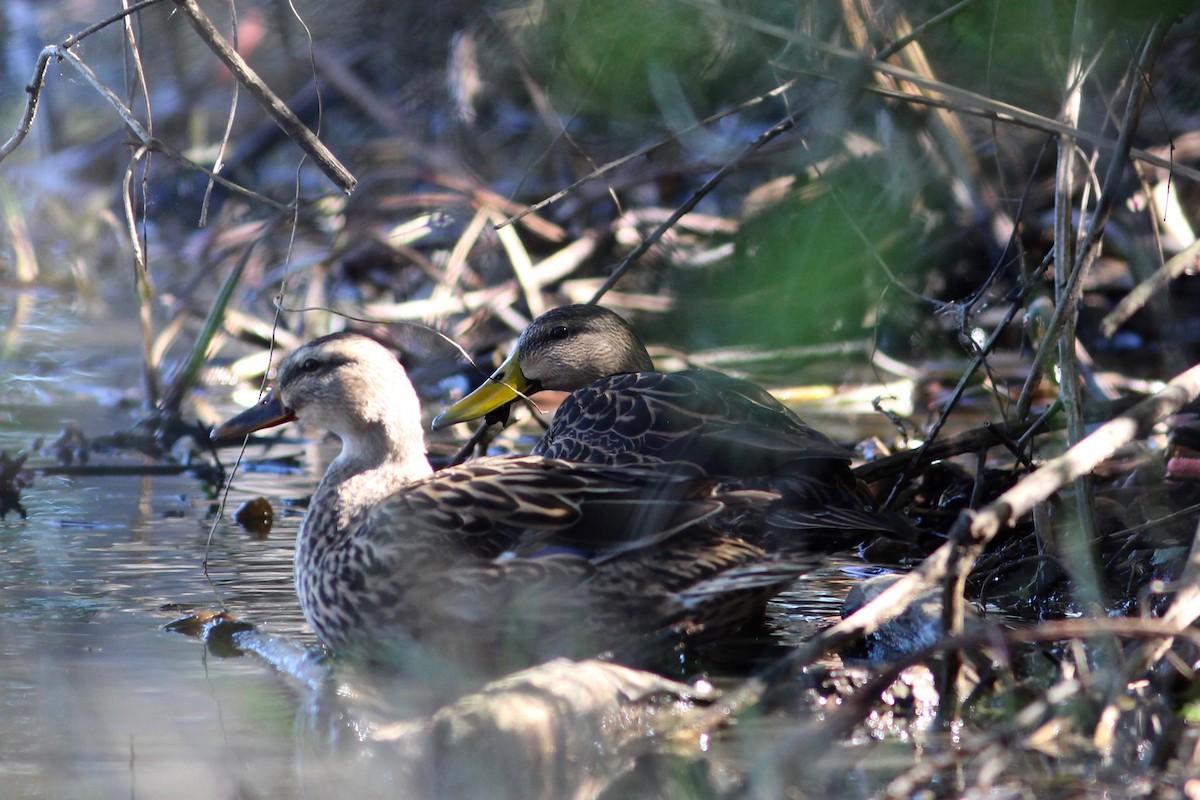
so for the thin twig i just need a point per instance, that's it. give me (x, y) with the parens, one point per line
(96, 27)
(840, 720)
(1184, 261)
(143, 136)
(908, 38)
(969, 102)
(219, 161)
(34, 89)
(33, 94)
(1032, 122)
(647, 150)
(284, 117)
(784, 125)
(921, 457)
(1089, 247)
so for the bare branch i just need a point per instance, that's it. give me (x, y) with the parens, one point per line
(34, 92)
(284, 117)
(1182, 262)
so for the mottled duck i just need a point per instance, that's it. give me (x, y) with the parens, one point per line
(504, 561)
(621, 411)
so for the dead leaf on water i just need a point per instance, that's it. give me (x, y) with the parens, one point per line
(256, 516)
(194, 624)
(216, 628)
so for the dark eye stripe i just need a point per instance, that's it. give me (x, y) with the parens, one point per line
(315, 364)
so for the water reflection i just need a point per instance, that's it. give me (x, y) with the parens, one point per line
(95, 699)
(563, 729)
(100, 709)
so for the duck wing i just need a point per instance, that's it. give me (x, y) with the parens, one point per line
(528, 505)
(724, 425)
(640, 604)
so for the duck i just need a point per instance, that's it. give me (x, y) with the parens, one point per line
(505, 561)
(621, 411)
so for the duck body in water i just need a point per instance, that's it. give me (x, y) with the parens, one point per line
(502, 562)
(621, 411)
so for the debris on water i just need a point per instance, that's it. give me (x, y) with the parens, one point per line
(256, 516)
(216, 628)
(12, 481)
(193, 624)
(919, 627)
(71, 446)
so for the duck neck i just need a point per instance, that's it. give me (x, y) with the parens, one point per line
(373, 465)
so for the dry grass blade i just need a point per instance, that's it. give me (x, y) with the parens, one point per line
(143, 286)
(549, 270)
(522, 266)
(457, 263)
(1185, 261)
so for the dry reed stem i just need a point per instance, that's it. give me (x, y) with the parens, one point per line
(1089, 248)
(549, 270)
(1074, 541)
(1187, 260)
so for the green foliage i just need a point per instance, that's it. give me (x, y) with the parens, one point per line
(1016, 50)
(807, 269)
(599, 56)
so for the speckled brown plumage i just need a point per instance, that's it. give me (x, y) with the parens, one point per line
(500, 562)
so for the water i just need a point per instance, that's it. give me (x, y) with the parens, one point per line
(96, 699)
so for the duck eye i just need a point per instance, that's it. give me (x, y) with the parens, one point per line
(310, 365)
(559, 332)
